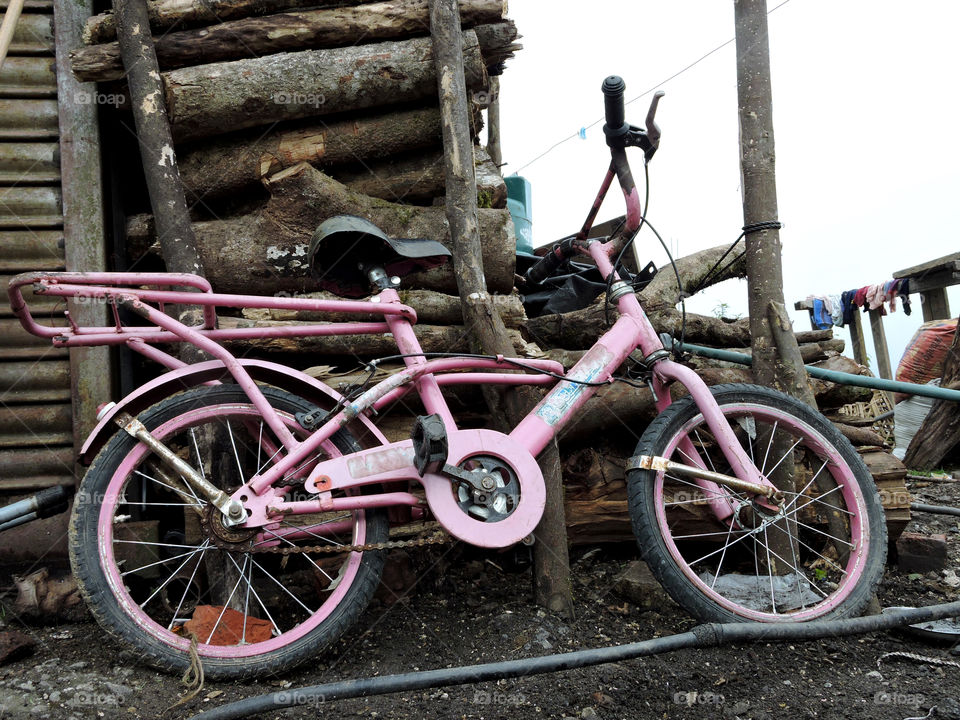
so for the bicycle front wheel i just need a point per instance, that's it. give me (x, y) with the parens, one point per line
(161, 573)
(820, 556)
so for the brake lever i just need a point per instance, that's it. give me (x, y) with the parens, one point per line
(653, 130)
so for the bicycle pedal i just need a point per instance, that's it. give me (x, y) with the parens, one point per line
(429, 437)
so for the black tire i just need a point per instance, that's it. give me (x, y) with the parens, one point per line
(108, 609)
(682, 560)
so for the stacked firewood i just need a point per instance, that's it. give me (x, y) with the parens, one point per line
(295, 115)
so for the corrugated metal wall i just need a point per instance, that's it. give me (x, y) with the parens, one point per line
(36, 426)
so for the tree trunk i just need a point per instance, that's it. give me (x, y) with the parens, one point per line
(269, 246)
(254, 37)
(552, 569)
(419, 178)
(168, 14)
(433, 308)
(207, 99)
(940, 431)
(234, 164)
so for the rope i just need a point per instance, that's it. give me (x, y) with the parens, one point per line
(192, 677)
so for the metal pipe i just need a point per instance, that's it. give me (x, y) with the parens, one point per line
(702, 636)
(935, 509)
(842, 378)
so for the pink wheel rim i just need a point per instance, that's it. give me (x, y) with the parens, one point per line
(850, 492)
(109, 566)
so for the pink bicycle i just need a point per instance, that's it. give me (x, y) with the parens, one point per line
(243, 508)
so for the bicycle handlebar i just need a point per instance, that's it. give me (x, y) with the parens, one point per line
(620, 135)
(613, 88)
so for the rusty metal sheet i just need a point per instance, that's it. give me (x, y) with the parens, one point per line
(33, 35)
(27, 381)
(45, 464)
(17, 344)
(28, 119)
(28, 77)
(29, 163)
(40, 426)
(24, 250)
(30, 207)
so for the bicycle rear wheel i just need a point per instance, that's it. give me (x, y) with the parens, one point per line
(158, 570)
(821, 556)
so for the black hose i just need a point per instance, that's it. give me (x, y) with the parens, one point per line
(935, 509)
(702, 636)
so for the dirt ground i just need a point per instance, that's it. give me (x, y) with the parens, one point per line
(466, 609)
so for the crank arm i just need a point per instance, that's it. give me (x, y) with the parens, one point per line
(654, 462)
(232, 510)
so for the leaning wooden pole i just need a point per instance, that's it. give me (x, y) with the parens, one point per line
(171, 214)
(551, 558)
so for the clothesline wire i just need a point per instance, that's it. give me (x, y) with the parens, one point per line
(641, 95)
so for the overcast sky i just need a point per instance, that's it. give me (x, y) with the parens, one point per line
(865, 118)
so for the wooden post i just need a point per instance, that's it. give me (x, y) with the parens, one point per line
(10, 18)
(552, 565)
(856, 339)
(935, 304)
(493, 122)
(83, 226)
(169, 204)
(764, 270)
(880, 348)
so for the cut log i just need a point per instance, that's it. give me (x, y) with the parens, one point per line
(206, 99)
(269, 246)
(419, 178)
(860, 436)
(230, 165)
(433, 338)
(253, 37)
(167, 14)
(596, 496)
(433, 308)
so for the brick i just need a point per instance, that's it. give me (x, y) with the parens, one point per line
(918, 553)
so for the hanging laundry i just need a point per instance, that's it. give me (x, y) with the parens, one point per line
(822, 318)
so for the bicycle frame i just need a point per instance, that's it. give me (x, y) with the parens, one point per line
(385, 465)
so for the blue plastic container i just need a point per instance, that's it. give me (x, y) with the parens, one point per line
(520, 204)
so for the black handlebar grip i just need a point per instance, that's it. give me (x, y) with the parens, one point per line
(613, 88)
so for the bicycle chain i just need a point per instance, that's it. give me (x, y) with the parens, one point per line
(438, 537)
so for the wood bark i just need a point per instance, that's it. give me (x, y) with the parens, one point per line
(240, 161)
(788, 352)
(940, 431)
(252, 37)
(269, 246)
(493, 122)
(419, 179)
(433, 308)
(167, 14)
(551, 561)
(205, 99)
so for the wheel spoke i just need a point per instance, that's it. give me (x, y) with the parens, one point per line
(172, 575)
